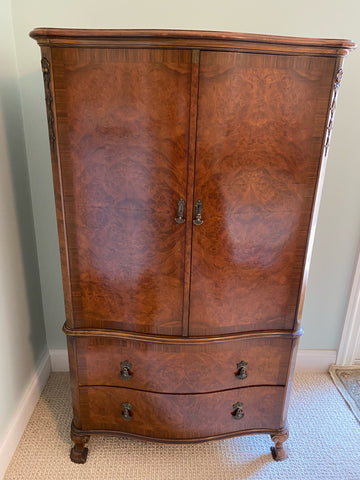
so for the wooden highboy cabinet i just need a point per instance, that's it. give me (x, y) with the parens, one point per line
(186, 168)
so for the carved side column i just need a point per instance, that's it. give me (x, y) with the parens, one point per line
(330, 125)
(45, 66)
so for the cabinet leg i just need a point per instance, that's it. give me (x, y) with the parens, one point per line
(278, 452)
(78, 453)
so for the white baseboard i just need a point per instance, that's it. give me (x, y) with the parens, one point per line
(59, 360)
(23, 413)
(315, 360)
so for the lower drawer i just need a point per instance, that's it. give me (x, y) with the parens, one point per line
(183, 367)
(171, 417)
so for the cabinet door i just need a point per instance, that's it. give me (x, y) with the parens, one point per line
(261, 122)
(122, 122)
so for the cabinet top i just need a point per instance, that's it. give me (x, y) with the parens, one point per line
(190, 39)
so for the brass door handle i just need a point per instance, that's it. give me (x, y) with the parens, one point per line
(238, 411)
(125, 370)
(241, 374)
(126, 415)
(181, 205)
(198, 210)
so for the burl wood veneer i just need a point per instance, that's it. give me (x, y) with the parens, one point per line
(187, 172)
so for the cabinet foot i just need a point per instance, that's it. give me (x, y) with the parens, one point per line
(278, 452)
(78, 453)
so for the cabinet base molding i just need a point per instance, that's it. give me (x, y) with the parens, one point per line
(81, 437)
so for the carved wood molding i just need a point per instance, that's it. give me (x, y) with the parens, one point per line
(332, 110)
(124, 335)
(84, 435)
(204, 40)
(45, 66)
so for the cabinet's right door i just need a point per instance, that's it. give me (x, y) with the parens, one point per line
(261, 123)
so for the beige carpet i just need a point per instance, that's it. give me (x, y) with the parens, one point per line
(324, 444)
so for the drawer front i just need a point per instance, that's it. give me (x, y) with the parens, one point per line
(195, 416)
(183, 367)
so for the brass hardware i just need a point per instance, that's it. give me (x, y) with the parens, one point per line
(126, 415)
(242, 370)
(238, 413)
(125, 370)
(181, 205)
(198, 209)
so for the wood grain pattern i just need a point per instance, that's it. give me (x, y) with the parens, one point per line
(290, 376)
(183, 368)
(260, 134)
(74, 380)
(123, 145)
(181, 416)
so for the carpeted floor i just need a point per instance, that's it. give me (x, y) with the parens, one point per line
(347, 380)
(324, 444)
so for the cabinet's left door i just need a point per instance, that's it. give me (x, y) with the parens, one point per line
(122, 120)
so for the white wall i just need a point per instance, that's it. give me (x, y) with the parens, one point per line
(22, 330)
(339, 219)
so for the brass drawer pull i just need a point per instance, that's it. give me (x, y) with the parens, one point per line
(198, 210)
(238, 411)
(126, 415)
(125, 370)
(181, 205)
(241, 370)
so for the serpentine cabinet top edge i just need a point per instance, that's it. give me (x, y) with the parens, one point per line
(189, 39)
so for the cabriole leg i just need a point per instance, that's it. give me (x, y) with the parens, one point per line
(78, 453)
(279, 452)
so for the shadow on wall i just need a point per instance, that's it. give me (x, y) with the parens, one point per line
(14, 134)
(43, 203)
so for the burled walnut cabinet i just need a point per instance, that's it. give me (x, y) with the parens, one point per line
(186, 168)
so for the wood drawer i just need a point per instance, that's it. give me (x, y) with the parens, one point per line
(166, 416)
(184, 367)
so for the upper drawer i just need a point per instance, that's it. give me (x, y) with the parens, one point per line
(183, 367)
